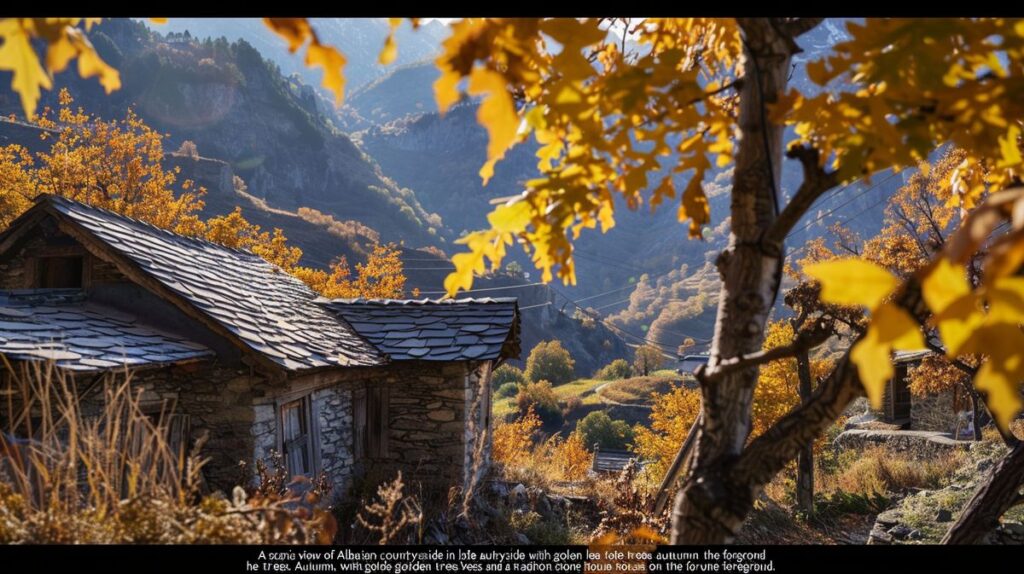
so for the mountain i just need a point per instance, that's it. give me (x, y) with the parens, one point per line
(360, 39)
(237, 107)
(645, 275)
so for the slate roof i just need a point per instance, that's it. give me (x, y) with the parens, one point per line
(60, 325)
(611, 461)
(435, 330)
(270, 311)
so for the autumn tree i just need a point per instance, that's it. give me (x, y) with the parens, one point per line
(647, 359)
(117, 165)
(550, 361)
(699, 94)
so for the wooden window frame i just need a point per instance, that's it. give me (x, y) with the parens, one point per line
(308, 406)
(34, 264)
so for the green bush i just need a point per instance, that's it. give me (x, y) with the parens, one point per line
(507, 374)
(598, 428)
(507, 390)
(542, 398)
(549, 361)
(615, 370)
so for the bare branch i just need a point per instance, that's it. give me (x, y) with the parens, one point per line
(816, 182)
(804, 341)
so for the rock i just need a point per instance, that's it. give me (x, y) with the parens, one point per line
(500, 489)
(889, 518)
(901, 532)
(522, 538)
(915, 534)
(879, 537)
(943, 515)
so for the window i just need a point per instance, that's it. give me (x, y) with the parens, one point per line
(296, 445)
(60, 272)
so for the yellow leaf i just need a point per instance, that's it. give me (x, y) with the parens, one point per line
(446, 90)
(17, 56)
(948, 295)
(695, 205)
(390, 50)
(295, 31)
(1009, 149)
(873, 365)
(511, 218)
(497, 113)
(897, 328)
(852, 282)
(331, 60)
(891, 328)
(945, 283)
(1002, 394)
(1006, 301)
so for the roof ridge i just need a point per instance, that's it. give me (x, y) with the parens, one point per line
(52, 197)
(425, 301)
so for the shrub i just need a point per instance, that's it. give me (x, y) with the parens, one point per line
(617, 369)
(513, 441)
(598, 428)
(549, 361)
(506, 373)
(540, 398)
(507, 390)
(572, 404)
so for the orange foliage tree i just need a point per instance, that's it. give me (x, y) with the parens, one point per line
(116, 165)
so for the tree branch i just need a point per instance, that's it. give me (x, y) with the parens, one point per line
(804, 341)
(767, 454)
(816, 182)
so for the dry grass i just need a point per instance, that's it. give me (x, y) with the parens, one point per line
(638, 390)
(103, 471)
(880, 471)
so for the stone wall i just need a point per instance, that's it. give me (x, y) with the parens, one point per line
(427, 421)
(332, 408)
(218, 401)
(933, 412)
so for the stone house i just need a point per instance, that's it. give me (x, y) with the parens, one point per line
(933, 412)
(249, 356)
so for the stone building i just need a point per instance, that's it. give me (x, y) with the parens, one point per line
(932, 412)
(249, 356)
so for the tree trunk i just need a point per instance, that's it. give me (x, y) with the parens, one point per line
(999, 492)
(805, 462)
(711, 506)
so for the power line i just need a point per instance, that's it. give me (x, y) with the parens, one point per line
(493, 288)
(840, 206)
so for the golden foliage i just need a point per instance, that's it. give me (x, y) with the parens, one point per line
(778, 381)
(298, 32)
(850, 281)
(672, 414)
(65, 40)
(116, 165)
(513, 441)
